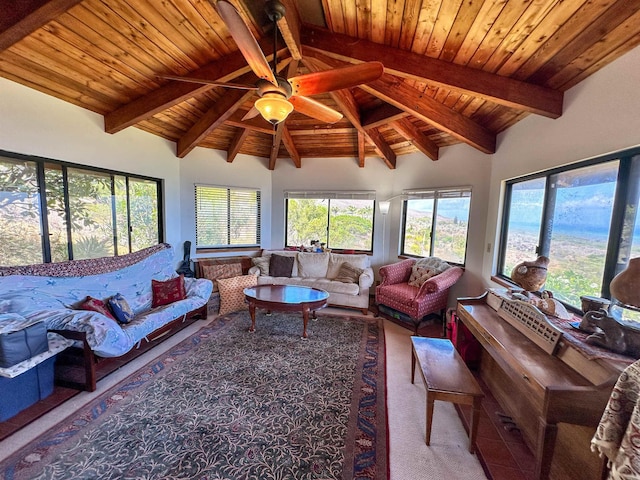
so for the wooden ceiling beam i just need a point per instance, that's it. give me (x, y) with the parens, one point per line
(382, 115)
(505, 91)
(397, 93)
(287, 139)
(256, 124)
(362, 141)
(21, 18)
(236, 143)
(275, 145)
(419, 140)
(289, 27)
(212, 119)
(349, 108)
(225, 69)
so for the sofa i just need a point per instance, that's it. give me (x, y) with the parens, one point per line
(58, 294)
(347, 277)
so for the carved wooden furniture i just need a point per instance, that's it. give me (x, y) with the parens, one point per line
(447, 378)
(541, 386)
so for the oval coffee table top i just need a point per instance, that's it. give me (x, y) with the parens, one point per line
(286, 294)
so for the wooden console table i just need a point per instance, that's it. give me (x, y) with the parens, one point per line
(540, 390)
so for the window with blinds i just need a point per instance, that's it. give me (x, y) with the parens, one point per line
(435, 223)
(227, 217)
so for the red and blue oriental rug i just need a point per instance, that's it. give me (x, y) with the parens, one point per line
(227, 404)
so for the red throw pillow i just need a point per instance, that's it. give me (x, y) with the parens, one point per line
(95, 305)
(168, 291)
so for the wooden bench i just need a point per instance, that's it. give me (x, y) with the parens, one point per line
(446, 377)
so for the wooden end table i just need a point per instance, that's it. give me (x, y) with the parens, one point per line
(285, 298)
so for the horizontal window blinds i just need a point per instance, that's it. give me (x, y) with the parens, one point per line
(454, 192)
(227, 216)
(350, 195)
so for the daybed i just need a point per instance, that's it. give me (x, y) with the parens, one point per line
(347, 277)
(54, 292)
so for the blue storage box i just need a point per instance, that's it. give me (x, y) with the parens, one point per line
(26, 389)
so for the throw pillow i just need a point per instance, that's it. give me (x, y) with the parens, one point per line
(262, 263)
(95, 305)
(232, 292)
(419, 275)
(281, 266)
(313, 265)
(168, 291)
(120, 308)
(348, 273)
(215, 272)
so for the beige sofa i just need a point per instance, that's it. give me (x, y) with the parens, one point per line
(320, 270)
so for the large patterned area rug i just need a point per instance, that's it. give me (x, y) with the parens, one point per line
(228, 404)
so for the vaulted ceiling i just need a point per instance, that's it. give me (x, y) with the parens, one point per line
(455, 71)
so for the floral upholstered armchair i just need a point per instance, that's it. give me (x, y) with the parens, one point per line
(417, 288)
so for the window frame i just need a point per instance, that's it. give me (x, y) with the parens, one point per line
(41, 164)
(625, 195)
(331, 195)
(435, 194)
(229, 191)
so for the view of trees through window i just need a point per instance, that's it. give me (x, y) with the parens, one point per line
(569, 216)
(340, 223)
(443, 234)
(88, 214)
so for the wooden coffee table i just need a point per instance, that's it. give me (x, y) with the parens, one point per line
(286, 298)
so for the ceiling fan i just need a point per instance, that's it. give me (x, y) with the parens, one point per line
(279, 96)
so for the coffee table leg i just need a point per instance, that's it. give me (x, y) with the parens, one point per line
(305, 320)
(252, 312)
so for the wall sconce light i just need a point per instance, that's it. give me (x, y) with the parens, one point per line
(384, 206)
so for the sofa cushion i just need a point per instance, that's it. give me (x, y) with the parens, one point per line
(167, 292)
(337, 259)
(120, 308)
(215, 272)
(313, 264)
(95, 305)
(232, 292)
(426, 268)
(262, 263)
(348, 273)
(281, 265)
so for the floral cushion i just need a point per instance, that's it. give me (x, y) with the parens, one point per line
(262, 263)
(232, 292)
(426, 268)
(168, 291)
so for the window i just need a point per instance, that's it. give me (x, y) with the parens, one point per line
(227, 217)
(54, 211)
(583, 217)
(436, 223)
(341, 220)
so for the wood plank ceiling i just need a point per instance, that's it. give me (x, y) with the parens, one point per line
(455, 71)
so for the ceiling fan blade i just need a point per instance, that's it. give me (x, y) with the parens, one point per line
(245, 40)
(336, 79)
(240, 86)
(254, 112)
(314, 109)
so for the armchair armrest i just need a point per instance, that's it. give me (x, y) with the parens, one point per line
(440, 282)
(365, 281)
(398, 272)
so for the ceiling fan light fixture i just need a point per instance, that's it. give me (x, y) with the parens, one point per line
(273, 107)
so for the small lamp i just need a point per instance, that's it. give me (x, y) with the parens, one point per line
(384, 206)
(273, 107)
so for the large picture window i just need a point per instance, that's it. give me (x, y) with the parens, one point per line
(54, 211)
(227, 217)
(583, 217)
(436, 223)
(341, 220)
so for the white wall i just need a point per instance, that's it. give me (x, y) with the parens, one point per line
(601, 115)
(32, 123)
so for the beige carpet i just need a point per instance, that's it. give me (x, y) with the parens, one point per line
(410, 458)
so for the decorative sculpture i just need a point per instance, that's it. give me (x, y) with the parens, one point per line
(531, 275)
(608, 333)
